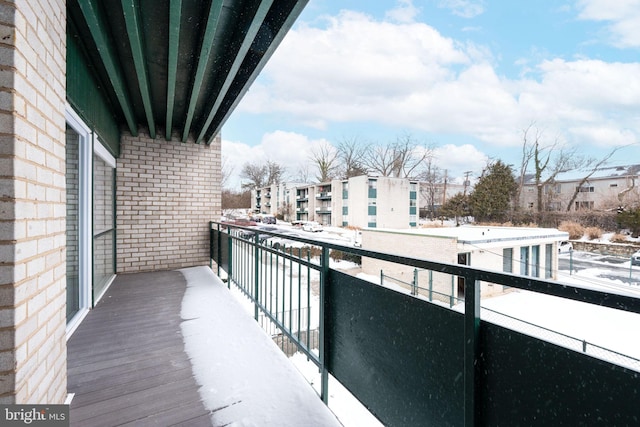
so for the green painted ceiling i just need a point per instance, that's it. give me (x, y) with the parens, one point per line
(179, 67)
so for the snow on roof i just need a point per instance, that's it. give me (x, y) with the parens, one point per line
(600, 173)
(474, 234)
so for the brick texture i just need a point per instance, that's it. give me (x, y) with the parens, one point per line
(32, 202)
(166, 194)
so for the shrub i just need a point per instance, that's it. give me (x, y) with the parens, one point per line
(345, 256)
(575, 230)
(593, 232)
(619, 238)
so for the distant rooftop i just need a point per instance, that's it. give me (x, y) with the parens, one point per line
(600, 173)
(474, 234)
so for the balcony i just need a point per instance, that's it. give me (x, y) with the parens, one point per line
(324, 195)
(323, 209)
(409, 360)
(412, 361)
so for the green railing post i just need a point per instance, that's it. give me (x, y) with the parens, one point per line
(630, 267)
(230, 268)
(381, 278)
(471, 332)
(211, 246)
(256, 276)
(324, 274)
(415, 281)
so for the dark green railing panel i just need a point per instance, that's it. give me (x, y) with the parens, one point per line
(401, 356)
(529, 382)
(220, 250)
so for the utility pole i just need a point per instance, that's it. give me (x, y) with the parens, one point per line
(466, 181)
(444, 189)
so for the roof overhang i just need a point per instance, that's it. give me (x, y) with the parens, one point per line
(178, 68)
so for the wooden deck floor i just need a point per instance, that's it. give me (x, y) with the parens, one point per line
(126, 361)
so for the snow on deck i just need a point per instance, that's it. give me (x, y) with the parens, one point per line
(244, 378)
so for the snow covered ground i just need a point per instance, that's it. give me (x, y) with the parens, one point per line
(244, 378)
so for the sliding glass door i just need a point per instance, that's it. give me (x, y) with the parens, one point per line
(78, 220)
(104, 233)
(90, 218)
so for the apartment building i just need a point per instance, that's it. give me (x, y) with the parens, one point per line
(276, 199)
(110, 155)
(376, 202)
(362, 201)
(606, 188)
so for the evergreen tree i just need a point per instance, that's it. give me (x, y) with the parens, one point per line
(491, 198)
(630, 218)
(456, 207)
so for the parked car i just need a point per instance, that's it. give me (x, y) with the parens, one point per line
(565, 247)
(635, 258)
(311, 226)
(269, 219)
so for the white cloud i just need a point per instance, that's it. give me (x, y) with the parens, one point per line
(290, 149)
(457, 159)
(409, 76)
(623, 17)
(464, 8)
(405, 12)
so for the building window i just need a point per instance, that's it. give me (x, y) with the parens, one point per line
(524, 261)
(585, 189)
(587, 205)
(373, 185)
(507, 260)
(535, 261)
(548, 258)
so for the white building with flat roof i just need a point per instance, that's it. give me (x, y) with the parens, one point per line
(518, 250)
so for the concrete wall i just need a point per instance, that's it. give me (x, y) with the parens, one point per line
(167, 192)
(438, 249)
(619, 249)
(32, 202)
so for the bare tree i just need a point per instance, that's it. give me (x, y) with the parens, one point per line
(325, 158)
(275, 172)
(400, 159)
(527, 155)
(261, 175)
(256, 175)
(380, 160)
(226, 171)
(590, 165)
(352, 157)
(303, 174)
(431, 180)
(408, 156)
(548, 161)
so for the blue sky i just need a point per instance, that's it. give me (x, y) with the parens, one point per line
(464, 77)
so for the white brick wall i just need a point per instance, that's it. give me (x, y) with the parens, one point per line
(167, 192)
(32, 202)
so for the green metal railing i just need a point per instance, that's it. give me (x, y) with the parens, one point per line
(411, 362)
